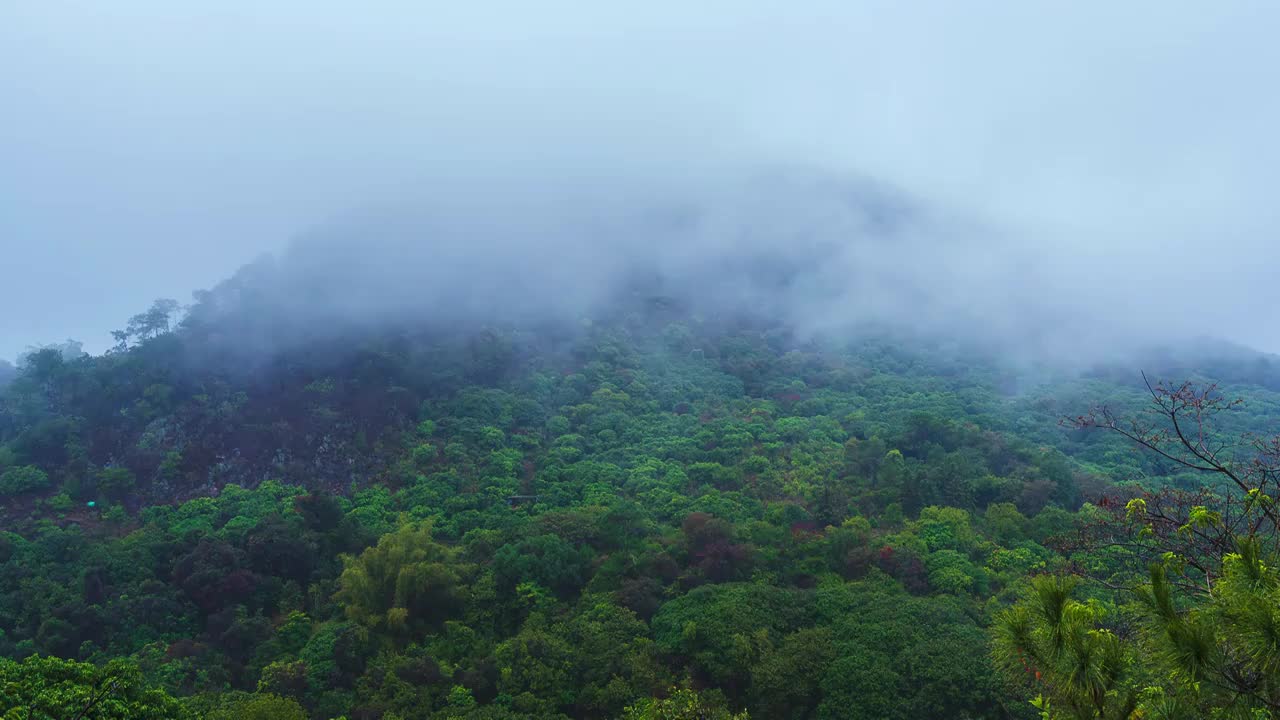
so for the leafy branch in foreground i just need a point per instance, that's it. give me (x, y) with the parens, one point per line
(1208, 642)
(1179, 426)
(1056, 643)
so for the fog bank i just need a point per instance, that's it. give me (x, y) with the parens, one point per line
(1088, 173)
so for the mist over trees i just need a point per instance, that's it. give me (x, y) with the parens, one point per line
(787, 451)
(670, 361)
(986, 116)
(827, 254)
(307, 497)
(157, 320)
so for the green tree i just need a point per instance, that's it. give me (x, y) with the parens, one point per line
(116, 483)
(683, 704)
(47, 688)
(1058, 645)
(259, 707)
(157, 320)
(18, 480)
(1221, 653)
(405, 585)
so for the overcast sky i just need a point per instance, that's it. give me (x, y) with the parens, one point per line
(1128, 150)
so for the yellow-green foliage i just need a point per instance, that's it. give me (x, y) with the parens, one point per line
(404, 585)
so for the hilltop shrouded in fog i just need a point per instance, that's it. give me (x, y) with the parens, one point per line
(1086, 170)
(566, 360)
(824, 253)
(828, 254)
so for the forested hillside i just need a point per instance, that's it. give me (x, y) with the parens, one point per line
(653, 511)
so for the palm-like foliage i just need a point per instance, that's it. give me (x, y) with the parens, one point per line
(1056, 643)
(1214, 655)
(1224, 647)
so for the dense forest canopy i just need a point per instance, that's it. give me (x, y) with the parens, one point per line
(640, 361)
(653, 508)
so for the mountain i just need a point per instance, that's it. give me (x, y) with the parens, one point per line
(335, 490)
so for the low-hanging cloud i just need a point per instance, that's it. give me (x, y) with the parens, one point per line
(1077, 176)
